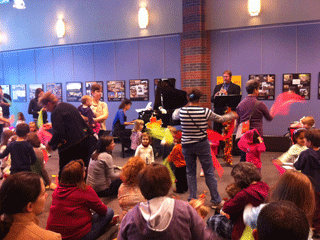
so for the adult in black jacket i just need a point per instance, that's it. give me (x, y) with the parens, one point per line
(34, 108)
(71, 135)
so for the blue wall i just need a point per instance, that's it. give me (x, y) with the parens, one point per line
(148, 58)
(271, 50)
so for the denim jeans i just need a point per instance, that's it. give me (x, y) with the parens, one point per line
(203, 152)
(99, 225)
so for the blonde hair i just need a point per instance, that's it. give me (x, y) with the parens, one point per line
(137, 124)
(85, 98)
(308, 121)
(202, 210)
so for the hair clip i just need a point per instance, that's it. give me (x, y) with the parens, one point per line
(298, 129)
(191, 95)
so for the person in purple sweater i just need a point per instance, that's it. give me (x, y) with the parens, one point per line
(161, 217)
(249, 106)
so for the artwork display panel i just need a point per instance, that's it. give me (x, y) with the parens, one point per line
(19, 93)
(298, 83)
(6, 89)
(267, 87)
(55, 89)
(88, 89)
(74, 91)
(32, 89)
(116, 90)
(139, 89)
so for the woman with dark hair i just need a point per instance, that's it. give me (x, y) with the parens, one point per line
(161, 217)
(194, 122)
(103, 175)
(229, 223)
(72, 202)
(22, 198)
(120, 122)
(252, 109)
(34, 108)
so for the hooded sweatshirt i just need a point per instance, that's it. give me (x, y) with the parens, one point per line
(309, 164)
(163, 218)
(70, 212)
(255, 194)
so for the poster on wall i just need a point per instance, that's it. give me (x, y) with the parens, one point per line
(298, 83)
(88, 88)
(6, 89)
(55, 89)
(267, 89)
(74, 91)
(32, 89)
(116, 90)
(139, 90)
(19, 93)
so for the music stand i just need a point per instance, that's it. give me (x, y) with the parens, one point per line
(227, 101)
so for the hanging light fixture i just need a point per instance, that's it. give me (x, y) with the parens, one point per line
(254, 7)
(60, 28)
(19, 4)
(143, 17)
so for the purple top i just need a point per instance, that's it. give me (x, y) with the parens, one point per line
(244, 108)
(135, 139)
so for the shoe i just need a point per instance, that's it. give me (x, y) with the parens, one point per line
(217, 205)
(201, 173)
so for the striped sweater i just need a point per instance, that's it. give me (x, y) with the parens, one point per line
(194, 122)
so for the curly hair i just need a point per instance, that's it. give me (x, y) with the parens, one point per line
(244, 173)
(130, 171)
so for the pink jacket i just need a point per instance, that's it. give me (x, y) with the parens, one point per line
(253, 150)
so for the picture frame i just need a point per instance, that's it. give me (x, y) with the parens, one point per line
(139, 89)
(88, 88)
(32, 89)
(267, 85)
(55, 89)
(6, 89)
(19, 93)
(116, 90)
(74, 91)
(298, 83)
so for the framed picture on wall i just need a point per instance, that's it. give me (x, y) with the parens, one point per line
(298, 83)
(55, 89)
(74, 91)
(6, 89)
(19, 93)
(32, 89)
(116, 90)
(139, 90)
(88, 88)
(267, 88)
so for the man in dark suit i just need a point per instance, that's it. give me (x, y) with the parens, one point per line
(226, 88)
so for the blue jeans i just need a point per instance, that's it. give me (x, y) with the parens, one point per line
(99, 225)
(203, 152)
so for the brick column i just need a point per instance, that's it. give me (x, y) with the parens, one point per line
(195, 50)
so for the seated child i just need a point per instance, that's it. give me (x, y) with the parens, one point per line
(309, 164)
(86, 111)
(232, 189)
(22, 154)
(21, 118)
(177, 158)
(299, 141)
(252, 144)
(305, 122)
(33, 127)
(144, 150)
(136, 133)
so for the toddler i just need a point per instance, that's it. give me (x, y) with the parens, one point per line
(22, 154)
(33, 127)
(305, 122)
(144, 150)
(232, 189)
(86, 111)
(177, 158)
(136, 133)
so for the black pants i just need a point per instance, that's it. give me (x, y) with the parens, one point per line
(82, 150)
(181, 176)
(112, 190)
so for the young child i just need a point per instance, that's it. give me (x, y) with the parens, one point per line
(136, 133)
(232, 189)
(177, 158)
(86, 111)
(144, 150)
(305, 122)
(38, 167)
(33, 127)
(299, 141)
(22, 154)
(252, 143)
(21, 118)
(309, 164)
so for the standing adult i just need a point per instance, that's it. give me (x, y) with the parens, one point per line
(100, 109)
(251, 106)
(5, 103)
(71, 134)
(120, 122)
(34, 108)
(194, 122)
